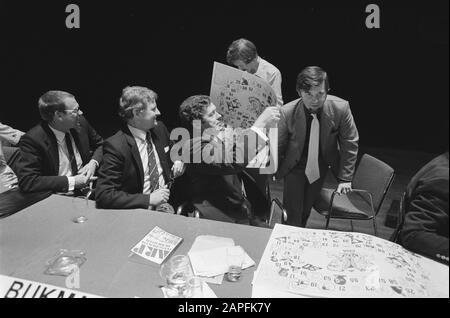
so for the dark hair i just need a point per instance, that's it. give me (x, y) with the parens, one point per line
(193, 108)
(311, 76)
(51, 102)
(241, 50)
(134, 97)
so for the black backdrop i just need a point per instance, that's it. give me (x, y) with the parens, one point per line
(395, 77)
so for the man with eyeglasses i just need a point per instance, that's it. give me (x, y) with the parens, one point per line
(62, 153)
(316, 131)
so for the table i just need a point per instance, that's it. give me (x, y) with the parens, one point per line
(32, 236)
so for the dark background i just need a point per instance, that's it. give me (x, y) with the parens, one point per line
(396, 77)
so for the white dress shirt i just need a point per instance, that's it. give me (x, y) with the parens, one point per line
(63, 153)
(141, 142)
(271, 75)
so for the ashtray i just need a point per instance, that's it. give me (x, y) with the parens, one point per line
(65, 262)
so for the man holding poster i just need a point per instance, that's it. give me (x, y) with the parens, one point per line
(216, 156)
(243, 55)
(240, 98)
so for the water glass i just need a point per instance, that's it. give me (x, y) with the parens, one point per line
(235, 260)
(195, 287)
(176, 272)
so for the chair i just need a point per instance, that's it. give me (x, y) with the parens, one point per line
(371, 183)
(187, 208)
(395, 237)
(272, 217)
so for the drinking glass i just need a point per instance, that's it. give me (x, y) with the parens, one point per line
(176, 272)
(235, 259)
(195, 287)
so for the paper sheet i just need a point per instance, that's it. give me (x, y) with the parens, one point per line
(319, 263)
(213, 262)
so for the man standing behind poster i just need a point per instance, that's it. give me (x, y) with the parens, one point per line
(243, 54)
(315, 131)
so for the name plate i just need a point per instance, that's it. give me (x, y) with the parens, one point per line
(11, 287)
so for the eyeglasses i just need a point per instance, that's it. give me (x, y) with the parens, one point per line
(75, 111)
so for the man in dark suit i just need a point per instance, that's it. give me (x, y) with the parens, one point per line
(136, 168)
(217, 155)
(315, 132)
(62, 153)
(425, 229)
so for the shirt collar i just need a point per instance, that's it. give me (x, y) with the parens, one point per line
(138, 133)
(308, 112)
(260, 67)
(58, 134)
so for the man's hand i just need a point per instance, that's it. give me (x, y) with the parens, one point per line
(344, 188)
(178, 168)
(159, 196)
(89, 169)
(81, 181)
(269, 117)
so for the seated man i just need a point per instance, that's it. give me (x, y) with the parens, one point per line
(425, 229)
(62, 153)
(136, 168)
(218, 156)
(8, 179)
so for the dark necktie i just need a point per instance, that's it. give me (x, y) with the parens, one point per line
(72, 160)
(153, 168)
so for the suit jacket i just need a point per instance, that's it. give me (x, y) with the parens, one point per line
(216, 181)
(39, 162)
(338, 137)
(121, 176)
(425, 229)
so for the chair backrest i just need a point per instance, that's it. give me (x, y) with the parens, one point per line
(259, 198)
(400, 219)
(374, 176)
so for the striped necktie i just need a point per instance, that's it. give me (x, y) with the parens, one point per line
(72, 159)
(153, 168)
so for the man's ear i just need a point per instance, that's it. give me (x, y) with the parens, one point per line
(136, 112)
(57, 116)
